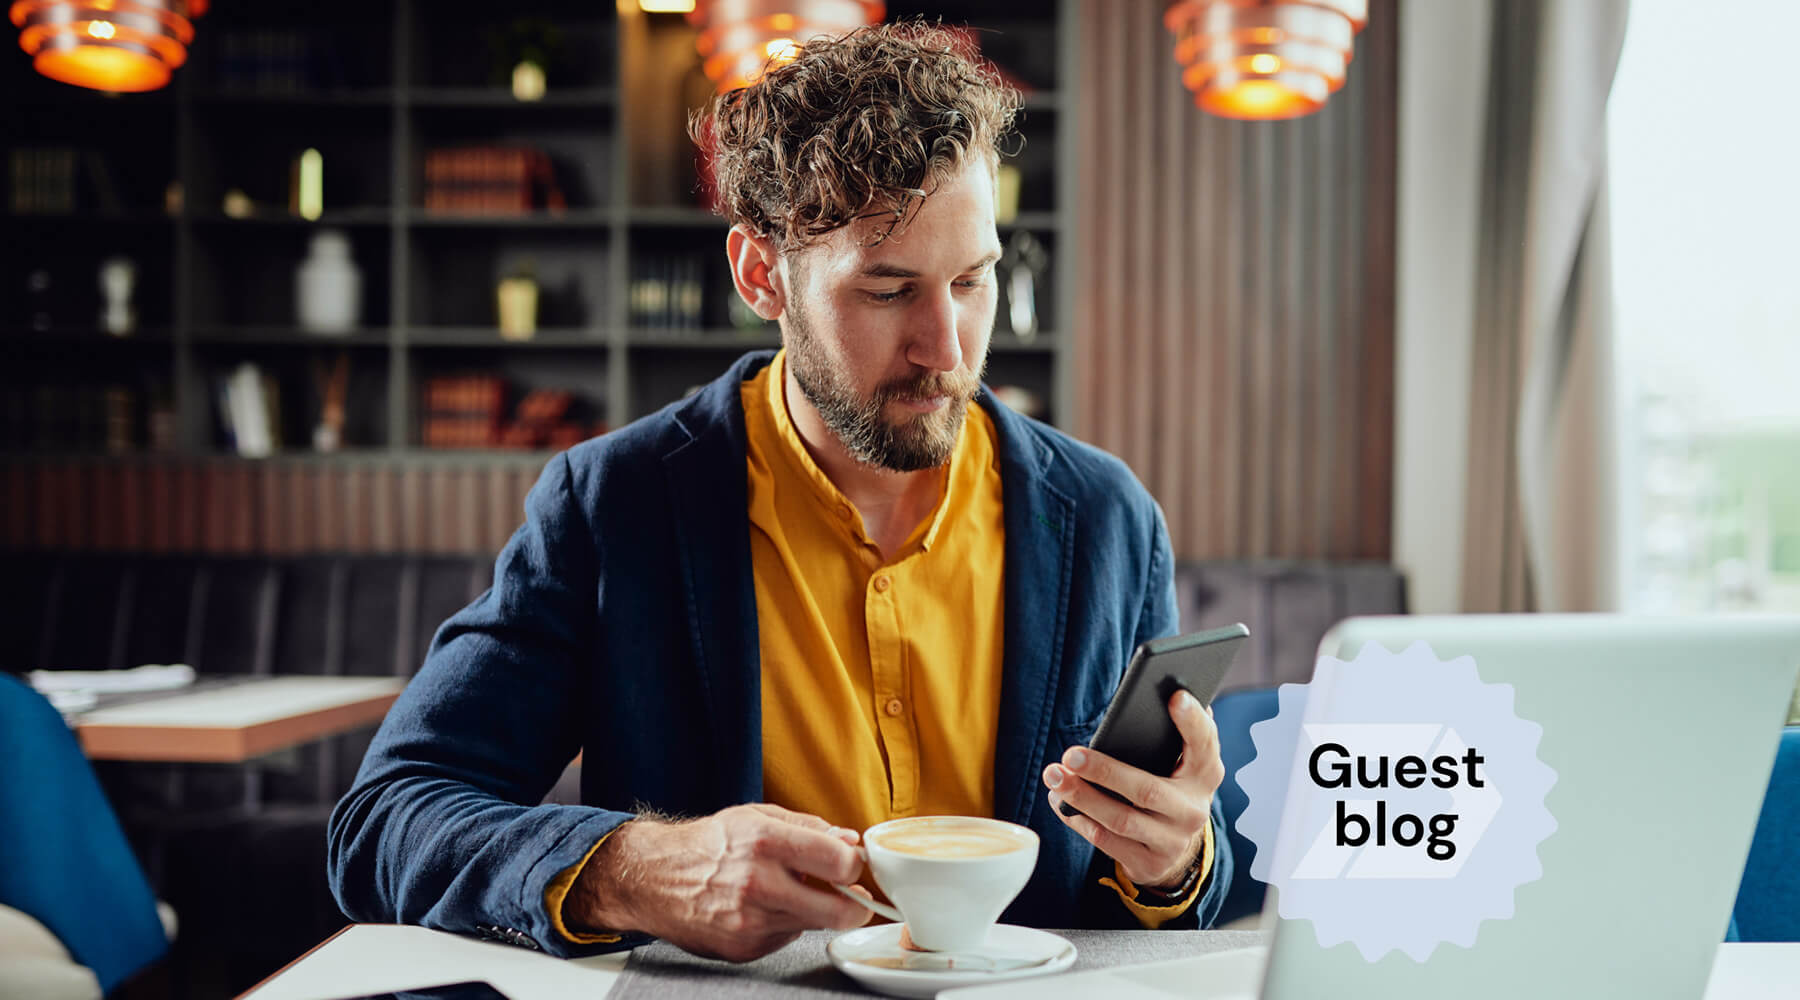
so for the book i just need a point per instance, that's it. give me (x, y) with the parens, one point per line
(490, 180)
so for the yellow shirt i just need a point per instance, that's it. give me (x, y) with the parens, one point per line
(880, 677)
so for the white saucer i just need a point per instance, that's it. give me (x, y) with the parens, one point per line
(873, 957)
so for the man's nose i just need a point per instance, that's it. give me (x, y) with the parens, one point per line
(934, 343)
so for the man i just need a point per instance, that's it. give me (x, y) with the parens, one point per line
(841, 584)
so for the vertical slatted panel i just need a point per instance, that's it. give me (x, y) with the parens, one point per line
(386, 492)
(1380, 254)
(1346, 241)
(274, 507)
(271, 511)
(412, 500)
(1138, 336)
(1328, 314)
(15, 493)
(502, 513)
(161, 509)
(1235, 334)
(103, 483)
(51, 513)
(241, 500)
(468, 526)
(332, 519)
(189, 498)
(133, 484)
(1173, 139)
(359, 518)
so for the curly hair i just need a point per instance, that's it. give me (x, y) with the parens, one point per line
(859, 126)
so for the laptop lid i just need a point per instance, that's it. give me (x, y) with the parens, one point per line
(1662, 733)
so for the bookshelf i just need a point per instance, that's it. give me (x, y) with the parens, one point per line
(380, 88)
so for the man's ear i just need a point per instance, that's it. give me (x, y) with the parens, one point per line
(755, 272)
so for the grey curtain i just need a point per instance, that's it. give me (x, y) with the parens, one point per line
(1540, 501)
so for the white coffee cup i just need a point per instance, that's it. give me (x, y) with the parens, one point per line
(949, 876)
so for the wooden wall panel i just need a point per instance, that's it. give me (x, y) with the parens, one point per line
(1234, 324)
(278, 506)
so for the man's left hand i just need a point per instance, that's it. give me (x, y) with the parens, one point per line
(1157, 834)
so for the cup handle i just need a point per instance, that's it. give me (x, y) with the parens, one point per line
(881, 908)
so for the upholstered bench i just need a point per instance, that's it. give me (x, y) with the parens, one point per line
(238, 850)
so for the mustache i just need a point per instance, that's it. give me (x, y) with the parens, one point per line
(955, 385)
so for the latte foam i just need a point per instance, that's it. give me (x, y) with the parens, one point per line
(933, 839)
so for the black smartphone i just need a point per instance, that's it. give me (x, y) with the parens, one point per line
(1136, 728)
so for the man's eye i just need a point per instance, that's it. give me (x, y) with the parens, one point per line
(888, 296)
(973, 282)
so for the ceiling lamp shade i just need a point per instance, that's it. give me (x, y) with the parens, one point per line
(738, 38)
(117, 45)
(1264, 59)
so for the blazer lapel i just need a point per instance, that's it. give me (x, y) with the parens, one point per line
(709, 494)
(1040, 538)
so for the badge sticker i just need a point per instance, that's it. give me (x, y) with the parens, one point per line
(1396, 802)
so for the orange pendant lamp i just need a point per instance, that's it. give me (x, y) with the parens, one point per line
(1264, 59)
(738, 38)
(124, 46)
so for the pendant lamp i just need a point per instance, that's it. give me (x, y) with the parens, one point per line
(738, 38)
(117, 45)
(1264, 59)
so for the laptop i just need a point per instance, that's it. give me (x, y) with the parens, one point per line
(1662, 732)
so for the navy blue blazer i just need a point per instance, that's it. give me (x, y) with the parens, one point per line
(622, 623)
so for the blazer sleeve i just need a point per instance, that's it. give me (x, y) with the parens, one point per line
(443, 826)
(1160, 616)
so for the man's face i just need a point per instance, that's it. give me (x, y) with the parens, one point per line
(888, 342)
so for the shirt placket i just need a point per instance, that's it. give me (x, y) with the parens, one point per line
(893, 706)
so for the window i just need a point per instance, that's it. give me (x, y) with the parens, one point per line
(1706, 258)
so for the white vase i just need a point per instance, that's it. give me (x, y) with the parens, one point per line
(328, 286)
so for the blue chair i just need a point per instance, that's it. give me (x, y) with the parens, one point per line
(1234, 713)
(1768, 900)
(64, 861)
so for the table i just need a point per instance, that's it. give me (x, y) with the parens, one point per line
(373, 958)
(662, 971)
(249, 718)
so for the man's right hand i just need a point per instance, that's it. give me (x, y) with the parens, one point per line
(730, 885)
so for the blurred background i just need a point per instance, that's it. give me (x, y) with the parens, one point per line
(1505, 321)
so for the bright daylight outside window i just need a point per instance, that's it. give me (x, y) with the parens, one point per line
(1706, 257)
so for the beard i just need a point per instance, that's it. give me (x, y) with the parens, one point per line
(914, 442)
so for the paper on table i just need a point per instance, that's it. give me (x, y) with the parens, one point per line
(149, 677)
(267, 699)
(1762, 970)
(380, 958)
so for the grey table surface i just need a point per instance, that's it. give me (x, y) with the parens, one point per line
(661, 970)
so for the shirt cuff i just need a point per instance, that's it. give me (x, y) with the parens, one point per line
(1153, 917)
(558, 891)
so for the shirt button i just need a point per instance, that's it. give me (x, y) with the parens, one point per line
(894, 707)
(882, 583)
(844, 511)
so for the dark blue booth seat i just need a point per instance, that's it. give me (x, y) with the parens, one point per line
(238, 850)
(1289, 607)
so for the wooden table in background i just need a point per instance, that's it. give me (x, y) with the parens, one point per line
(236, 723)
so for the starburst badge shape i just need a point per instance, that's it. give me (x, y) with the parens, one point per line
(1396, 801)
